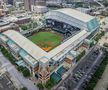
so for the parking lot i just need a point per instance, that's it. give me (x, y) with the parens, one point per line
(83, 72)
(5, 82)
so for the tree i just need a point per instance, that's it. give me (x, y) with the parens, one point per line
(26, 72)
(23, 27)
(50, 83)
(80, 55)
(24, 88)
(40, 86)
(105, 44)
(91, 44)
(20, 68)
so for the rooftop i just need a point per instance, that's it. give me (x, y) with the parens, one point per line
(5, 39)
(76, 14)
(32, 49)
(3, 23)
(44, 60)
(13, 45)
(28, 58)
(34, 53)
(56, 77)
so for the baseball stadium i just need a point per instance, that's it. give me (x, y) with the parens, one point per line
(50, 51)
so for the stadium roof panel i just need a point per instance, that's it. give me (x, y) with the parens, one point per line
(32, 49)
(76, 14)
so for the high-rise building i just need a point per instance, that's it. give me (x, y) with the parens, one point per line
(33, 2)
(27, 5)
(1, 3)
(40, 6)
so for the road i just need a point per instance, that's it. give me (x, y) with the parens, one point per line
(17, 77)
(5, 82)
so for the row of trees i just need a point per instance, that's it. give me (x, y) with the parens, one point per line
(7, 54)
(99, 35)
(49, 84)
(80, 55)
(25, 71)
(28, 26)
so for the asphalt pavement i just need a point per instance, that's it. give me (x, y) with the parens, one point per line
(6, 83)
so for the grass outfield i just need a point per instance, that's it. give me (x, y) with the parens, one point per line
(46, 40)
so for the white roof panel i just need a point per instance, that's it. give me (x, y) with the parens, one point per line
(32, 49)
(75, 14)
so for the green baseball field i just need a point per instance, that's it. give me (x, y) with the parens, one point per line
(46, 40)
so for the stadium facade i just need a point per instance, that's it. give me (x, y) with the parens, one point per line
(69, 17)
(54, 63)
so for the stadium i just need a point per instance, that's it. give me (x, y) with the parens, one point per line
(65, 30)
